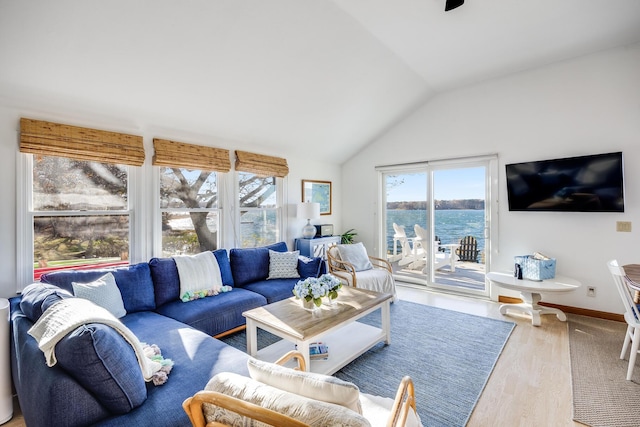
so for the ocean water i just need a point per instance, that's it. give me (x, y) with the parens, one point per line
(451, 224)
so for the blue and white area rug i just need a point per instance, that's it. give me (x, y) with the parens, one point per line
(449, 355)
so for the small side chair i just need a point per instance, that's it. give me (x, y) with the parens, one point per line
(376, 275)
(231, 399)
(631, 315)
(468, 250)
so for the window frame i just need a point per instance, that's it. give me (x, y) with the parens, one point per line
(280, 184)
(157, 210)
(25, 216)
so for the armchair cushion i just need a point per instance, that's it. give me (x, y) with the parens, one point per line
(310, 411)
(314, 386)
(355, 254)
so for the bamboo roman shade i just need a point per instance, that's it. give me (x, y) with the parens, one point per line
(190, 156)
(53, 139)
(260, 164)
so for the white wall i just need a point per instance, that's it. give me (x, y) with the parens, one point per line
(584, 106)
(68, 112)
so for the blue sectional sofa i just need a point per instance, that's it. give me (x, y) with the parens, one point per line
(97, 380)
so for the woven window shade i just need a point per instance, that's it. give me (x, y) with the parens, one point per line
(260, 164)
(190, 156)
(53, 139)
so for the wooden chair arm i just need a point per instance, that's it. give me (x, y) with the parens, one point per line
(193, 408)
(339, 267)
(381, 263)
(405, 400)
(293, 354)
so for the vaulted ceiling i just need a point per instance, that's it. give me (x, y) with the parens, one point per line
(285, 75)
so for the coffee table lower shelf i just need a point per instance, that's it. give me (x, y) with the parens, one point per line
(345, 345)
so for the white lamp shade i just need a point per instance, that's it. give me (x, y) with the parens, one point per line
(308, 210)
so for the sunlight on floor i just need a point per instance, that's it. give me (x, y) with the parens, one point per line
(465, 304)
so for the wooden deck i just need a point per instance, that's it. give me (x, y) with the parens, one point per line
(468, 275)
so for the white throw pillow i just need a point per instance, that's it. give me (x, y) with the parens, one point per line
(314, 386)
(309, 411)
(199, 276)
(103, 292)
(355, 254)
(283, 265)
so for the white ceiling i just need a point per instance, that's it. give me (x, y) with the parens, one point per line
(284, 75)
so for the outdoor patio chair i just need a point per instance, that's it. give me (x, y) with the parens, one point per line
(291, 397)
(374, 274)
(631, 314)
(441, 258)
(410, 253)
(468, 250)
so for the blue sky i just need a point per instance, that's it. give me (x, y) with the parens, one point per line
(449, 184)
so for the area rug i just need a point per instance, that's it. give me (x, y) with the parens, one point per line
(601, 394)
(449, 355)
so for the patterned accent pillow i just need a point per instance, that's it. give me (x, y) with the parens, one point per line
(103, 292)
(283, 265)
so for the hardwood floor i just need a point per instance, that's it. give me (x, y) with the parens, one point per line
(531, 383)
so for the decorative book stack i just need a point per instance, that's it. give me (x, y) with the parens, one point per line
(318, 351)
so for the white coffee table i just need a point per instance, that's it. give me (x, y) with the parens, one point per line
(333, 325)
(530, 291)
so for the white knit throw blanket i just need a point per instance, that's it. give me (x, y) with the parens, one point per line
(66, 315)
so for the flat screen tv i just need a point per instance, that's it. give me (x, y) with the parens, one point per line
(575, 184)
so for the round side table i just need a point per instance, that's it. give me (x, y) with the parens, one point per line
(530, 291)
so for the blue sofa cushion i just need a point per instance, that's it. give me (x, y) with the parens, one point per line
(197, 358)
(310, 267)
(225, 267)
(104, 363)
(214, 315)
(136, 287)
(134, 282)
(250, 265)
(37, 297)
(273, 290)
(166, 279)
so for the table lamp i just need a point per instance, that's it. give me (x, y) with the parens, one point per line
(309, 211)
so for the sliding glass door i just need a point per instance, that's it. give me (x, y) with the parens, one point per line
(436, 223)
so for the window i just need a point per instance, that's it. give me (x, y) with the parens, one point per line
(259, 210)
(189, 206)
(79, 213)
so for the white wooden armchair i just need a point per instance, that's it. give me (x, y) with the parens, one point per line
(375, 274)
(376, 411)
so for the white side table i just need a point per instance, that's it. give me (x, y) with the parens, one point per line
(453, 247)
(530, 291)
(316, 247)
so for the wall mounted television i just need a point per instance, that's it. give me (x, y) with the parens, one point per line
(591, 183)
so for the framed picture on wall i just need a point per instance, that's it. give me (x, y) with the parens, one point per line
(318, 192)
